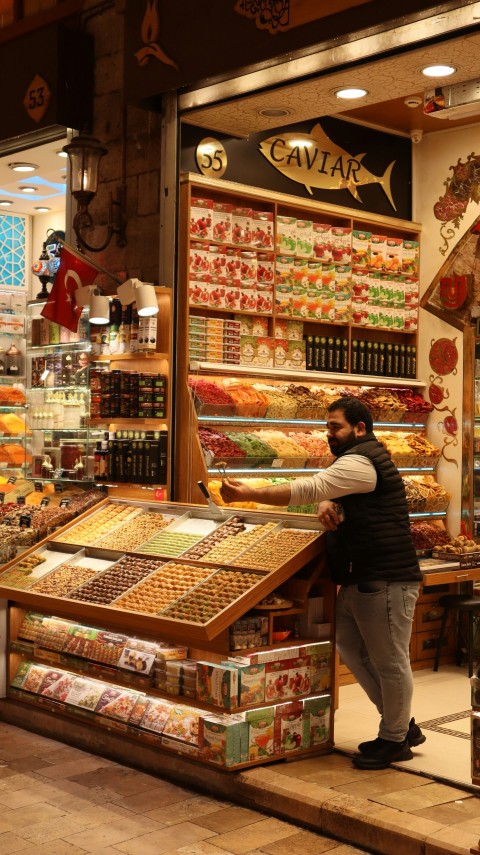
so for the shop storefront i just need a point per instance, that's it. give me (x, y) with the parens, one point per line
(296, 247)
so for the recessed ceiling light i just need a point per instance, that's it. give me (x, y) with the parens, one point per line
(438, 70)
(23, 167)
(28, 189)
(61, 153)
(274, 112)
(42, 210)
(351, 92)
(5, 203)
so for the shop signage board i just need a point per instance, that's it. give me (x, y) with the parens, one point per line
(171, 45)
(326, 159)
(53, 84)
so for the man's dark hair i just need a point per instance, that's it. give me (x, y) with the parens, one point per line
(355, 411)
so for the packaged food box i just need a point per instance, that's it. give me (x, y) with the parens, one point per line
(289, 728)
(281, 350)
(393, 254)
(260, 326)
(251, 683)
(262, 227)
(305, 237)
(232, 297)
(410, 257)
(284, 273)
(216, 294)
(201, 211)
(221, 221)
(232, 264)
(260, 733)
(265, 351)
(217, 684)
(198, 294)
(223, 739)
(341, 244)
(217, 262)
(265, 268)
(299, 676)
(242, 233)
(248, 298)
(328, 278)
(361, 247)
(183, 724)
(374, 281)
(411, 292)
(322, 240)
(317, 718)
(248, 269)
(378, 251)
(276, 680)
(245, 324)
(398, 286)
(296, 354)
(248, 349)
(117, 703)
(286, 240)
(85, 693)
(199, 263)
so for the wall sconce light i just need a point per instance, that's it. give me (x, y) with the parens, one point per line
(141, 293)
(84, 154)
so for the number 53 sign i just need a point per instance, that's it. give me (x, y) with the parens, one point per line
(211, 157)
(37, 98)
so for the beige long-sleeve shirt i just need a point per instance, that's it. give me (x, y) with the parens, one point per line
(352, 473)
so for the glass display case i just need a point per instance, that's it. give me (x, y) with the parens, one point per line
(62, 443)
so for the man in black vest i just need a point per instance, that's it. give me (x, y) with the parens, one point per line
(371, 555)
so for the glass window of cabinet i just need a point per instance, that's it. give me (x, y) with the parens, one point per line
(57, 367)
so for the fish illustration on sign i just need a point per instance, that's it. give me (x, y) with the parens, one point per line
(315, 161)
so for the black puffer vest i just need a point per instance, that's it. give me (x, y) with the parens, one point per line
(374, 542)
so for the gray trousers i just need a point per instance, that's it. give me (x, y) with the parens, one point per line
(373, 629)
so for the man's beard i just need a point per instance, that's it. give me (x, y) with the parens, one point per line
(336, 445)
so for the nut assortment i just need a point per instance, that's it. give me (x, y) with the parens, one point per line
(162, 587)
(116, 580)
(234, 545)
(133, 533)
(275, 549)
(211, 597)
(60, 581)
(100, 524)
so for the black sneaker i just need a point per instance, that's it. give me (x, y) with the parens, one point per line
(384, 753)
(414, 737)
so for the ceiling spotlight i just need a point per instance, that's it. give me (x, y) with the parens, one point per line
(28, 189)
(41, 209)
(23, 167)
(438, 70)
(5, 203)
(274, 112)
(99, 308)
(413, 101)
(61, 153)
(351, 92)
(143, 294)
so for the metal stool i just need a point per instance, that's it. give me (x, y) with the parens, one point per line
(455, 605)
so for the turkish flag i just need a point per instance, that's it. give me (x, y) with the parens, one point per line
(73, 272)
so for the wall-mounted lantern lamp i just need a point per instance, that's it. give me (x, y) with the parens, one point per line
(85, 153)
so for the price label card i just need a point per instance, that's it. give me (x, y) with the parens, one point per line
(12, 479)
(21, 500)
(64, 503)
(25, 521)
(2, 498)
(38, 486)
(45, 502)
(58, 488)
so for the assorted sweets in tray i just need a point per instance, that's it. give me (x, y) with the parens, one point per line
(175, 563)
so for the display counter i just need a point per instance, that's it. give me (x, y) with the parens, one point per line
(210, 635)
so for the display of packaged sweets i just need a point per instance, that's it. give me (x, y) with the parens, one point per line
(201, 218)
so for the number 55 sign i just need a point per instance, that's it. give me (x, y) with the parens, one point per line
(37, 98)
(211, 157)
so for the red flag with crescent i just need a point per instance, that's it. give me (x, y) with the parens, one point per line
(73, 272)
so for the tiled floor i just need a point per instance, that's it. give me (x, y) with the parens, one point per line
(58, 800)
(441, 705)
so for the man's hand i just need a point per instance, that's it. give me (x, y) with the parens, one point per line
(234, 491)
(328, 515)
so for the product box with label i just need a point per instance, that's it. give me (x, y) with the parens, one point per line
(281, 352)
(317, 718)
(217, 261)
(305, 237)
(201, 218)
(322, 241)
(410, 257)
(199, 262)
(221, 221)
(223, 739)
(265, 268)
(251, 682)
(262, 227)
(286, 234)
(242, 233)
(265, 351)
(248, 349)
(276, 680)
(378, 251)
(341, 244)
(296, 355)
(299, 676)
(232, 264)
(393, 254)
(289, 728)
(260, 733)
(232, 296)
(361, 247)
